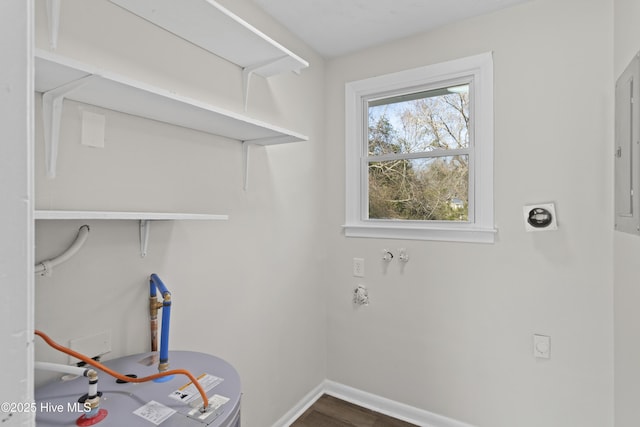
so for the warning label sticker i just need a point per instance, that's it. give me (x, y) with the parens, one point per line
(154, 412)
(189, 392)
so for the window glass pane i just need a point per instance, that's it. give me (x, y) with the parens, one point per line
(431, 189)
(419, 122)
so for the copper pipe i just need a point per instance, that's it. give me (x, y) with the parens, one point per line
(154, 305)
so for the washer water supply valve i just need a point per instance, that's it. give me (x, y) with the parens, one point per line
(404, 256)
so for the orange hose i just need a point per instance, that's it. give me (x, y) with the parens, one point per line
(90, 361)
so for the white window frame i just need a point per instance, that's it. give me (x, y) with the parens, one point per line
(478, 70)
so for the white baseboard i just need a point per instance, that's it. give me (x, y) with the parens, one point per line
(304, 404)
(371, 401)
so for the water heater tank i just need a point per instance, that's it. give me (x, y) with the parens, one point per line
(170, 403)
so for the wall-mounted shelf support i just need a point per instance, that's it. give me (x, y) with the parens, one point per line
(145, 225)
(284, 139)
(248, 71)
(145, 219)
(245, 165)
(53, 14)
(52, 113)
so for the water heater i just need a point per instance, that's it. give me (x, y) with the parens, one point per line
(169, 403)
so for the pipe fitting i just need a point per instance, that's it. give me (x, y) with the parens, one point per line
(154, 306)
(93, 402)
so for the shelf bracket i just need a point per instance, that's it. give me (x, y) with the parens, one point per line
(53, 14)
(52, 114)
(245, 164)
(272, 140)
(248, 71)
(145, 226)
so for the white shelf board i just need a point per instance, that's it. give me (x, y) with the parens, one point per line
(118, 93)
(138, 216)
(60, 78)
(207, 24)
(145, 219)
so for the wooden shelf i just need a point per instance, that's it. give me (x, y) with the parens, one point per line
(145, 219)
(60, 78)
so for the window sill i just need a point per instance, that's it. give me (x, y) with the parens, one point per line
(404, 232)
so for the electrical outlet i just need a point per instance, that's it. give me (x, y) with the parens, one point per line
(358, 267)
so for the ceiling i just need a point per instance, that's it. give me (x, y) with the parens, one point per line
(337, 27)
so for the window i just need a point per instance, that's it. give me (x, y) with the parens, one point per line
(419, 153)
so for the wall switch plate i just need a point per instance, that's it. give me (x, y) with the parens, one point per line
(91, 345)
(541, 346)
(358, 267)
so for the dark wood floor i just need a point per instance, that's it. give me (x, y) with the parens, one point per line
(329, 411)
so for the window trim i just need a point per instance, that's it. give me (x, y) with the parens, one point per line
(479, 69)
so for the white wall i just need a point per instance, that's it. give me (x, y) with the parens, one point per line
(451, 333)
(247, 290)
(626, 248)
(16, 196)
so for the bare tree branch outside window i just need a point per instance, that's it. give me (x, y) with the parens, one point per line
(418, 156)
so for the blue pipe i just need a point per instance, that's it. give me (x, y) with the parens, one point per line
(161, 286)
(166, 317)
(164, 334)
(152, 287)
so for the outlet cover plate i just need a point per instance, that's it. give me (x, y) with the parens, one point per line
(541, 346)
(358, 267)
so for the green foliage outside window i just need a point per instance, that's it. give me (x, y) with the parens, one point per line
(418, 161)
